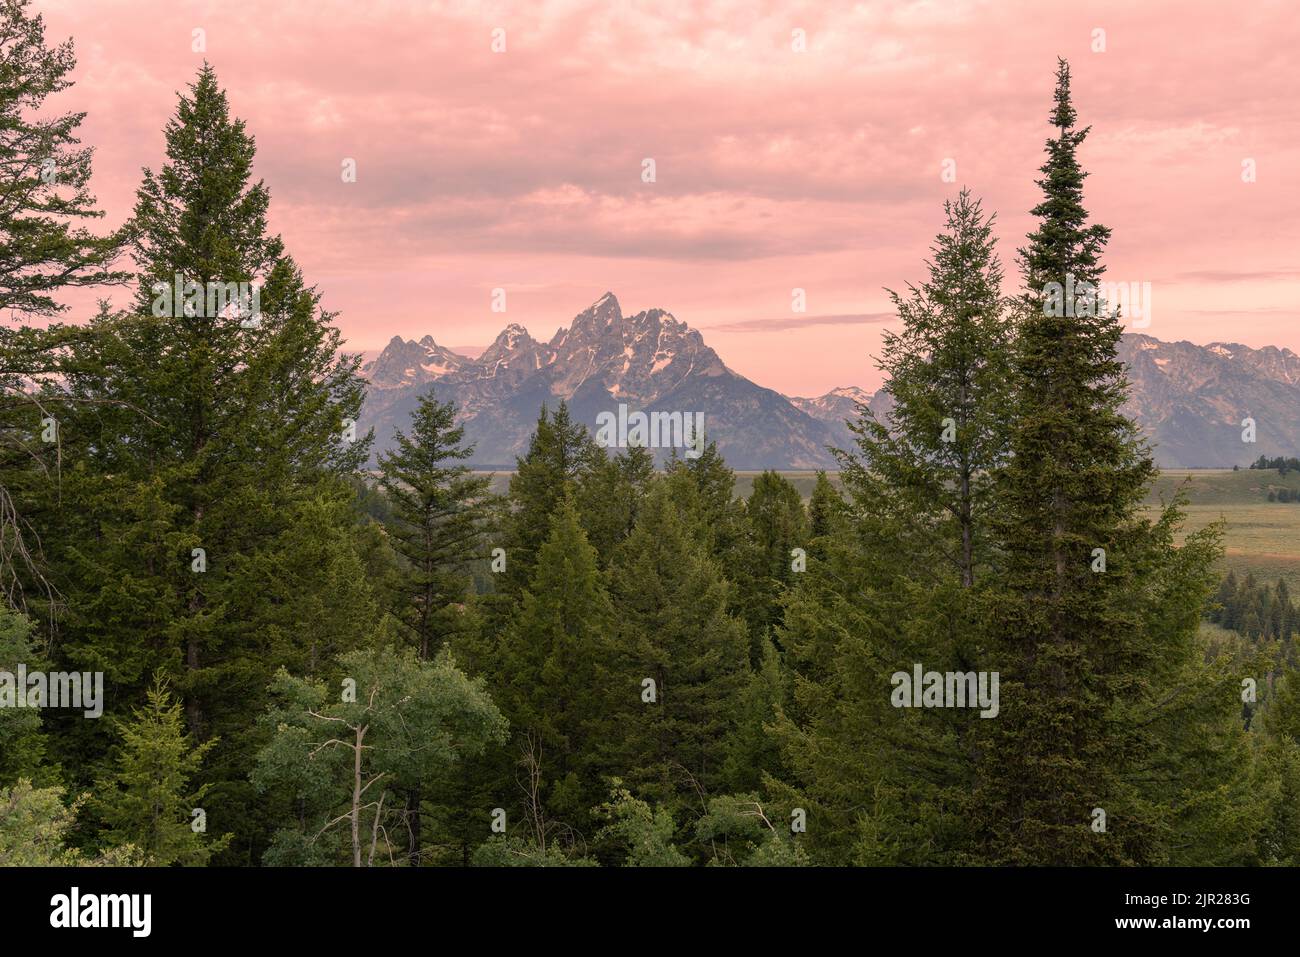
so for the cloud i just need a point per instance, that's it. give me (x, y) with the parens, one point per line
(799, 322)
(1237, 275)
(775, 169)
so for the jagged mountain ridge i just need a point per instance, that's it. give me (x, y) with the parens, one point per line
(651, 362)
(1189, 399)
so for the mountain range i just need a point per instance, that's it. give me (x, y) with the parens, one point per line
(1189, 399)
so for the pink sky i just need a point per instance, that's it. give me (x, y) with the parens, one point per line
(775, 169)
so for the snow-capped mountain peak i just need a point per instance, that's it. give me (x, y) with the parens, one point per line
(603, 359)
(410, 363)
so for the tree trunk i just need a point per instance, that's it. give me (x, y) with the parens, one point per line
(413, 800)
(356, 799)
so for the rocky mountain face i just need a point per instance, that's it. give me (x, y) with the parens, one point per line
(405, 364)
(1189, 399)
(650, 362)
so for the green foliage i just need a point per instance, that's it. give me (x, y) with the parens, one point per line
(638, 834)
(609, 498)
(47, 175)
(339, 755)
(35, 826)
(663, 674)
(560, 455)
(1259, 612)
(1091, 660)
(439, 514)
(145, 801)
(825, 507)
(775, 524)
(738, 831)
(548, 673)
(207, 432)
(501, 851)
(896, 574)
(23, 743)
(674, 628)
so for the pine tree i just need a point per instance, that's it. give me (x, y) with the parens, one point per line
(880, 785)
(775, 524)
(205, 519)
(24, 749)
(754, 753)
(548, 672)
(439, 513)
(146, 801)
(718, 512)
(896, 577)
(1279, 755)
(47, 175)
(931, 460)
(1086, 649)
(675, 629)
(42, 250)
(609, 498)
(825, 507)
(560, 454)
(1286, 611)
(1223, 598)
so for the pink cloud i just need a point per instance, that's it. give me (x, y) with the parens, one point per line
(775, 169)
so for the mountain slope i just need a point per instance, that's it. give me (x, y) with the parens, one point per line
(650, 362)
(1189, 399)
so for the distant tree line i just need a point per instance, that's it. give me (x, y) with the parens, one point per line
(1282, 464)
(1259, 612)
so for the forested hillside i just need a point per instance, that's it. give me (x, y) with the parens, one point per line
(981, 647)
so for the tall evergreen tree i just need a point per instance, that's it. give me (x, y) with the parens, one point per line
(825, 507)
(931, 460)
(24, 751)
(548, 676)
(439, 513)
(675, 629)
(609, 498)
(775, 524)
(210, 450)
(560, 454)
(43, 249)
(894, 579)
(1095, 612)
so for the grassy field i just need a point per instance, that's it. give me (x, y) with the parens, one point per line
(1259, 536)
